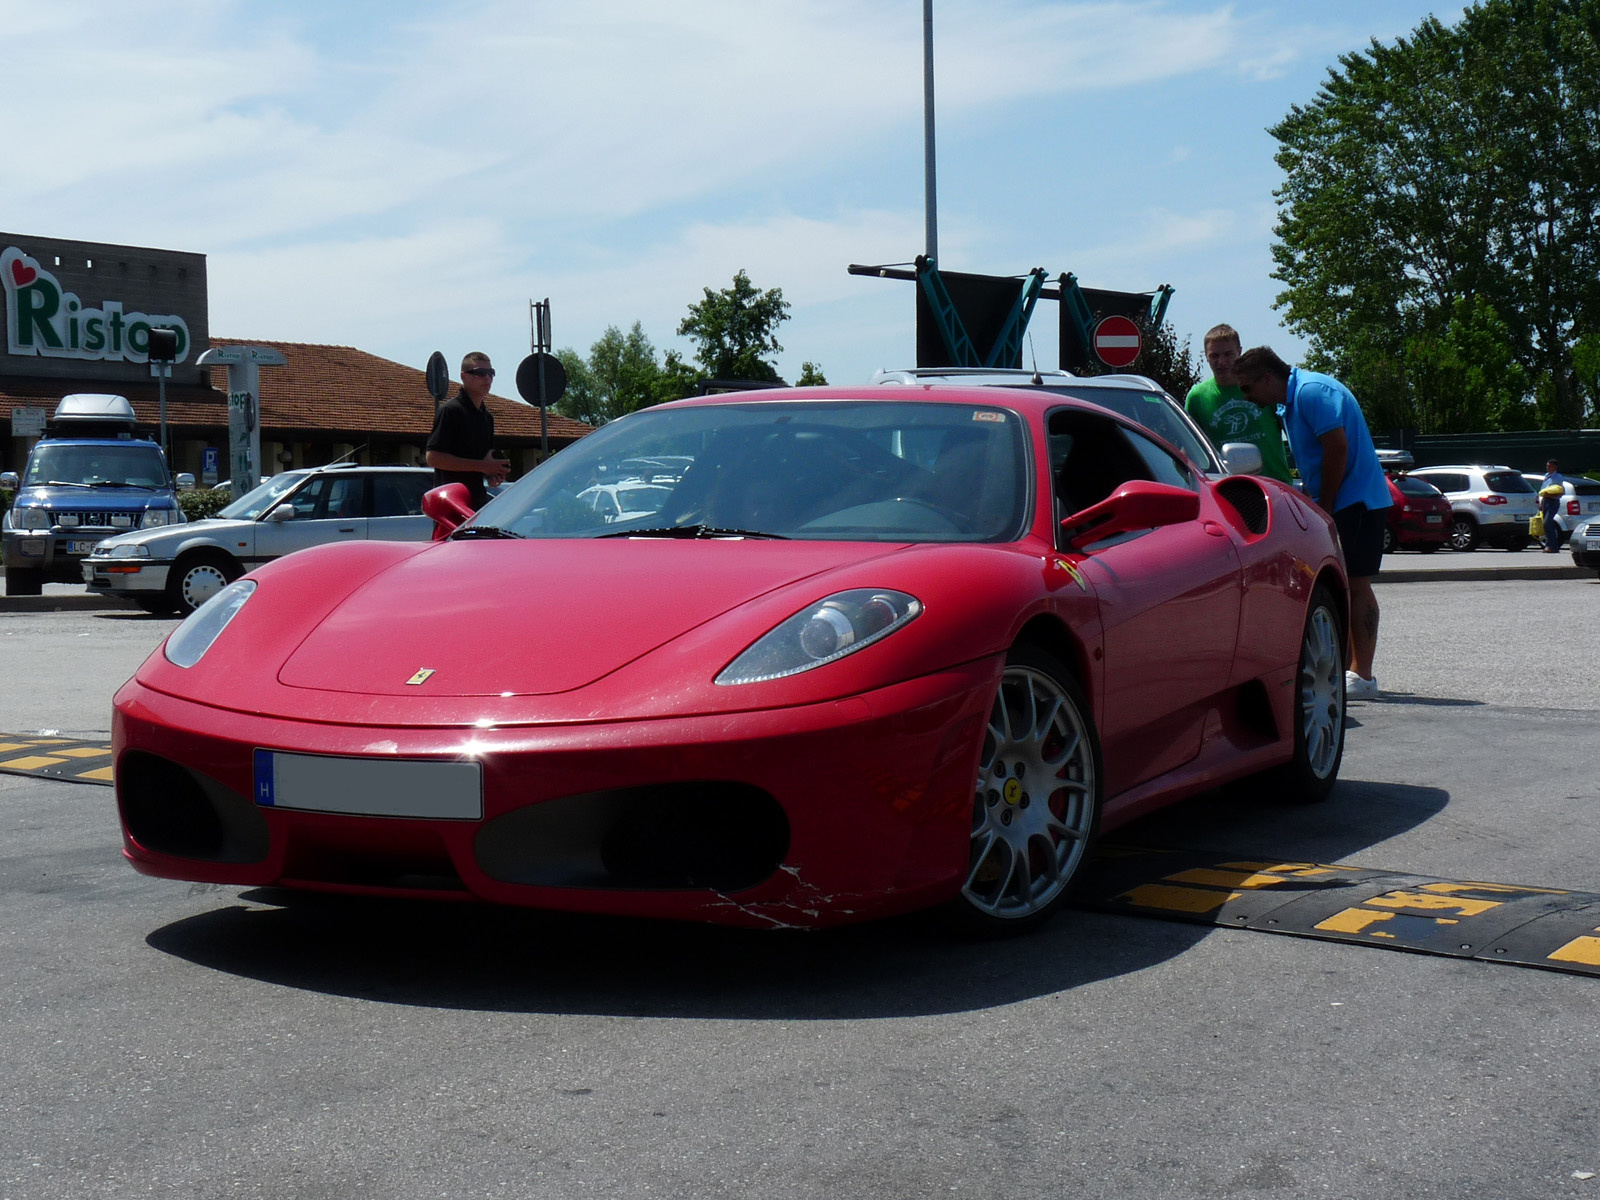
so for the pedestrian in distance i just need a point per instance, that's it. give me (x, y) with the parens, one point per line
(459, 448)
(1219, 407)
(1551, 488)
(1340, 470)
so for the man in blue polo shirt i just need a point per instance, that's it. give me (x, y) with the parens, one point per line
(1340, 470)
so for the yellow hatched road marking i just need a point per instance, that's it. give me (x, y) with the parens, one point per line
(1180, 899)
(97, 773)
(31, 763)
(1227, 879)
(84, 751)
(1425, 903)
(1353, 920)
(12, 747)
(1585, 950)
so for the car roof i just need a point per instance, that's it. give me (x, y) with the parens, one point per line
(1464, 467)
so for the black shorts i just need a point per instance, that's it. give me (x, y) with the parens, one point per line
(1361, 535)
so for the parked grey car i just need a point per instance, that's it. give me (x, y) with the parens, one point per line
(180, 568)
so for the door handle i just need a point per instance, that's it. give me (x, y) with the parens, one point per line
(1213, 529)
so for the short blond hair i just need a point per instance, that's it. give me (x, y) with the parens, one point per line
(1222, 333)
(476, 358)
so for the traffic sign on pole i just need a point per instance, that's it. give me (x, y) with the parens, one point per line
(1117, 341)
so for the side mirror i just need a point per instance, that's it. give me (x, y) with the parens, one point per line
(1242, 458)
(185, 481)
(9, 481)
(284, 512)
(1137, 504)
(449, 506)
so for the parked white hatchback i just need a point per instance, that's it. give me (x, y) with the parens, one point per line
(339, 503)
(1491, 505)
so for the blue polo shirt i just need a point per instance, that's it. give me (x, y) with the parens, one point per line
(1318, 404)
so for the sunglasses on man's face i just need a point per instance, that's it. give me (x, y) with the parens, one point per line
(480, 372)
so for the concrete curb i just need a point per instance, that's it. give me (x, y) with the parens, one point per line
(87, 602)
(1482, 574)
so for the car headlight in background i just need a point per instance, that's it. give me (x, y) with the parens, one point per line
(160, 516)
(823, 633)
(34, 518)
(126, 550)
(204, 625)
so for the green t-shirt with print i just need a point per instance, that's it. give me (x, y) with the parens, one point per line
(1226, 416)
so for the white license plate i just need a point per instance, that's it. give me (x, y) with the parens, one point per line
(1435, 519)
(88, 572)
(82, 547)
(370, 787)
(1591, 506)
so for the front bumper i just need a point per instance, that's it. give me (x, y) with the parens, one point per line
(57, 553)
(124, 576)
(875, 794)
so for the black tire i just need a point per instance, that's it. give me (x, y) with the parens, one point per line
(1389, 544)
(1319, 708)
(195, 577)
(1463, 533)
(156, 606)
(1027, 849)
(1429, 547)
(24, 581)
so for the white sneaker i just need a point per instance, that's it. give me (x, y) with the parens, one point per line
(1357, 688)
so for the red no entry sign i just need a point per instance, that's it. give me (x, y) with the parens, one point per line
(1116, 341)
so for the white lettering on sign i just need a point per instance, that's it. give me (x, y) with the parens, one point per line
(45, 319)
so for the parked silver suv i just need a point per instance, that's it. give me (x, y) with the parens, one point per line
(1490, 505)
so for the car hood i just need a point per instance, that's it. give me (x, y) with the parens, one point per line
(568, 612)
(169, 537)
(63, 499)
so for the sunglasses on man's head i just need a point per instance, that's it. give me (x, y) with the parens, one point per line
(480, 372)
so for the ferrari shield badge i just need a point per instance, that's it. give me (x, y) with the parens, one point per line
(420, 677)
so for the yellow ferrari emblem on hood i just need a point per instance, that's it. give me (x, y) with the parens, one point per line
(420, 677)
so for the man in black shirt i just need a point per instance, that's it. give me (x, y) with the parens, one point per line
(458, 447)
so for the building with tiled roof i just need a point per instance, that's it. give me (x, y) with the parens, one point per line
(76, 317)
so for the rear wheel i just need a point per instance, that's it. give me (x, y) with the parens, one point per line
(1388, 540)
(1429, 547)
(24, 581)
(1036, 806)
(1463, 533)
(196, 578)
(1319, 707)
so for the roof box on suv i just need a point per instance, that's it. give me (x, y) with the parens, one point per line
(92, 414)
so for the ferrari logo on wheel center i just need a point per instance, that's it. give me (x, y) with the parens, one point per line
(1013, 791)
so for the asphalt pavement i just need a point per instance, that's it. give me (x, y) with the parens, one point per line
(162, 1038)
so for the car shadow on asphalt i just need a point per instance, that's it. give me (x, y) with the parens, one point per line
(478, 957)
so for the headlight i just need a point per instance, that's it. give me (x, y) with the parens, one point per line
(823, 633)
(35, 518)
(122, 520)
(125, 550)
(204, 625)
(67, 520)
(160, 516)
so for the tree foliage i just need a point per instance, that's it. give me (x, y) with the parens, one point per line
(735, 330)
(811, 376)
(1439, 223)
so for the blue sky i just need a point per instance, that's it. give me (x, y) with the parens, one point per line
(404, 176)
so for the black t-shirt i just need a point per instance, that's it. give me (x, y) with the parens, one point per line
(464, 429)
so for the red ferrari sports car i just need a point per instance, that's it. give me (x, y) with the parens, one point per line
(867, 650)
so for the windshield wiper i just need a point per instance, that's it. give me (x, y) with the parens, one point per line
(694, 531)
(100, 483)
(482, 531)
(59, 483)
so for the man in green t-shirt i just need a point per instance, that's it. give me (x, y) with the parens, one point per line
(1221, 410)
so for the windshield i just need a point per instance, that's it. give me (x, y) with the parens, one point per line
(1157, 412)
(131, 464)
(873, 471)
(263, 496)
(1510, 482)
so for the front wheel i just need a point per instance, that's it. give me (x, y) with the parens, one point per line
(1036, 806)
(195, 579)
(24, 581)
(1388, 540)
(1463, 533)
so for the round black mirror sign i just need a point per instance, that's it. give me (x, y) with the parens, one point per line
(438, 376)
(555, 379)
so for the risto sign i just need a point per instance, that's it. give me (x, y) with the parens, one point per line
(45, 319)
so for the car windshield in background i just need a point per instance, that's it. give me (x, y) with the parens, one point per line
(262, 497)
(1416, 487)
(136, 464)
(1156, 411)
(873, 471)
(1507, 481)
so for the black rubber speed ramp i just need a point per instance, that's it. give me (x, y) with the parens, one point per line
(76, 760)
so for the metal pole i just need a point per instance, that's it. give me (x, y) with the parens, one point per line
(161, 381)
(544, 346)
(929, 191)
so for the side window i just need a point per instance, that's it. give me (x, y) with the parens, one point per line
(1162, 467)
(344, 498)
(309, 501)
(398, 495)
(1089, 458)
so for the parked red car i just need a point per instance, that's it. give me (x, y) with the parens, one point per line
(881, 648)
(1419, 516)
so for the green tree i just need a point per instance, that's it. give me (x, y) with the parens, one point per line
(580, 401)
(1442, 201)
(811, 376)
(620, 376)
(1163, 358)
(735, 330)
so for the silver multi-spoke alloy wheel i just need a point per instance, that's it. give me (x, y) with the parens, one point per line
(1034, 811)
(200, 582)
(1322, 692)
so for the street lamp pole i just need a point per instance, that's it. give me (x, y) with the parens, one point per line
(929, 191)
